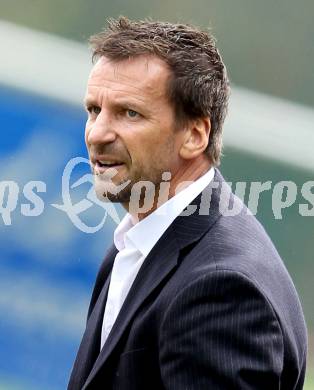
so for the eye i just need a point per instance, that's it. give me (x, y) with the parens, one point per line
(94, 110)
(132, 114)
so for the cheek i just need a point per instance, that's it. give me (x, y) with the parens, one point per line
(144, 149)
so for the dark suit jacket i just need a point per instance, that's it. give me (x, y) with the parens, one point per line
(212, 307)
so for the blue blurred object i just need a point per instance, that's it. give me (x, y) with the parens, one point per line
(47, 264)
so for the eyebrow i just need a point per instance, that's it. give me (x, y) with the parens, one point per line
(89, 101)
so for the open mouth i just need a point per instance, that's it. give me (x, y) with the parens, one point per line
(101, 165)
(107, 164)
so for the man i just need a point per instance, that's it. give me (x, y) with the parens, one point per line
(190, 296)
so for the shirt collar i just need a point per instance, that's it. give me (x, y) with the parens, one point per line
(120, 233)
(145, 234)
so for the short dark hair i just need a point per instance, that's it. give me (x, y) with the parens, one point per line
(198, 86)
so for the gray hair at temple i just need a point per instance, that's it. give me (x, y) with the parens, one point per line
(198, 86)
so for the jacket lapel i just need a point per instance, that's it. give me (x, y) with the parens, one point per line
(161, 264)
(157, 266)
(202, 213)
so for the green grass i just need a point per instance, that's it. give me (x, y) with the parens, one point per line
(309, 382)
(13, 384)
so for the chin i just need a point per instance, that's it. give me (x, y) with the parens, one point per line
(108, 193)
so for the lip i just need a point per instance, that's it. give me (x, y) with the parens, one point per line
(95, 158)
(101, 169)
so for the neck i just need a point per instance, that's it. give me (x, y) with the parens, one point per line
(185, 175)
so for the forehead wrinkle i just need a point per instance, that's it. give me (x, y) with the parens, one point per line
(108, 85)
(122, 78)
(116, 90)
(119, 93)
(155, 71)
(147, 85)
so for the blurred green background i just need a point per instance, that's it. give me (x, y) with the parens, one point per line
(267, 47)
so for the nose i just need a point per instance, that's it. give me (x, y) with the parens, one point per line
(99, 131)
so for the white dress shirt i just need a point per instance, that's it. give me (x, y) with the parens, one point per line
(134, 241)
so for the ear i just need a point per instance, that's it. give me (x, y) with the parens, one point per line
(196, 138)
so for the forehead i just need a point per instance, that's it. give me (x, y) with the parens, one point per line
(142, 75)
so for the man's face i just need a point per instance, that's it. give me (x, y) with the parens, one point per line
(130, 129)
